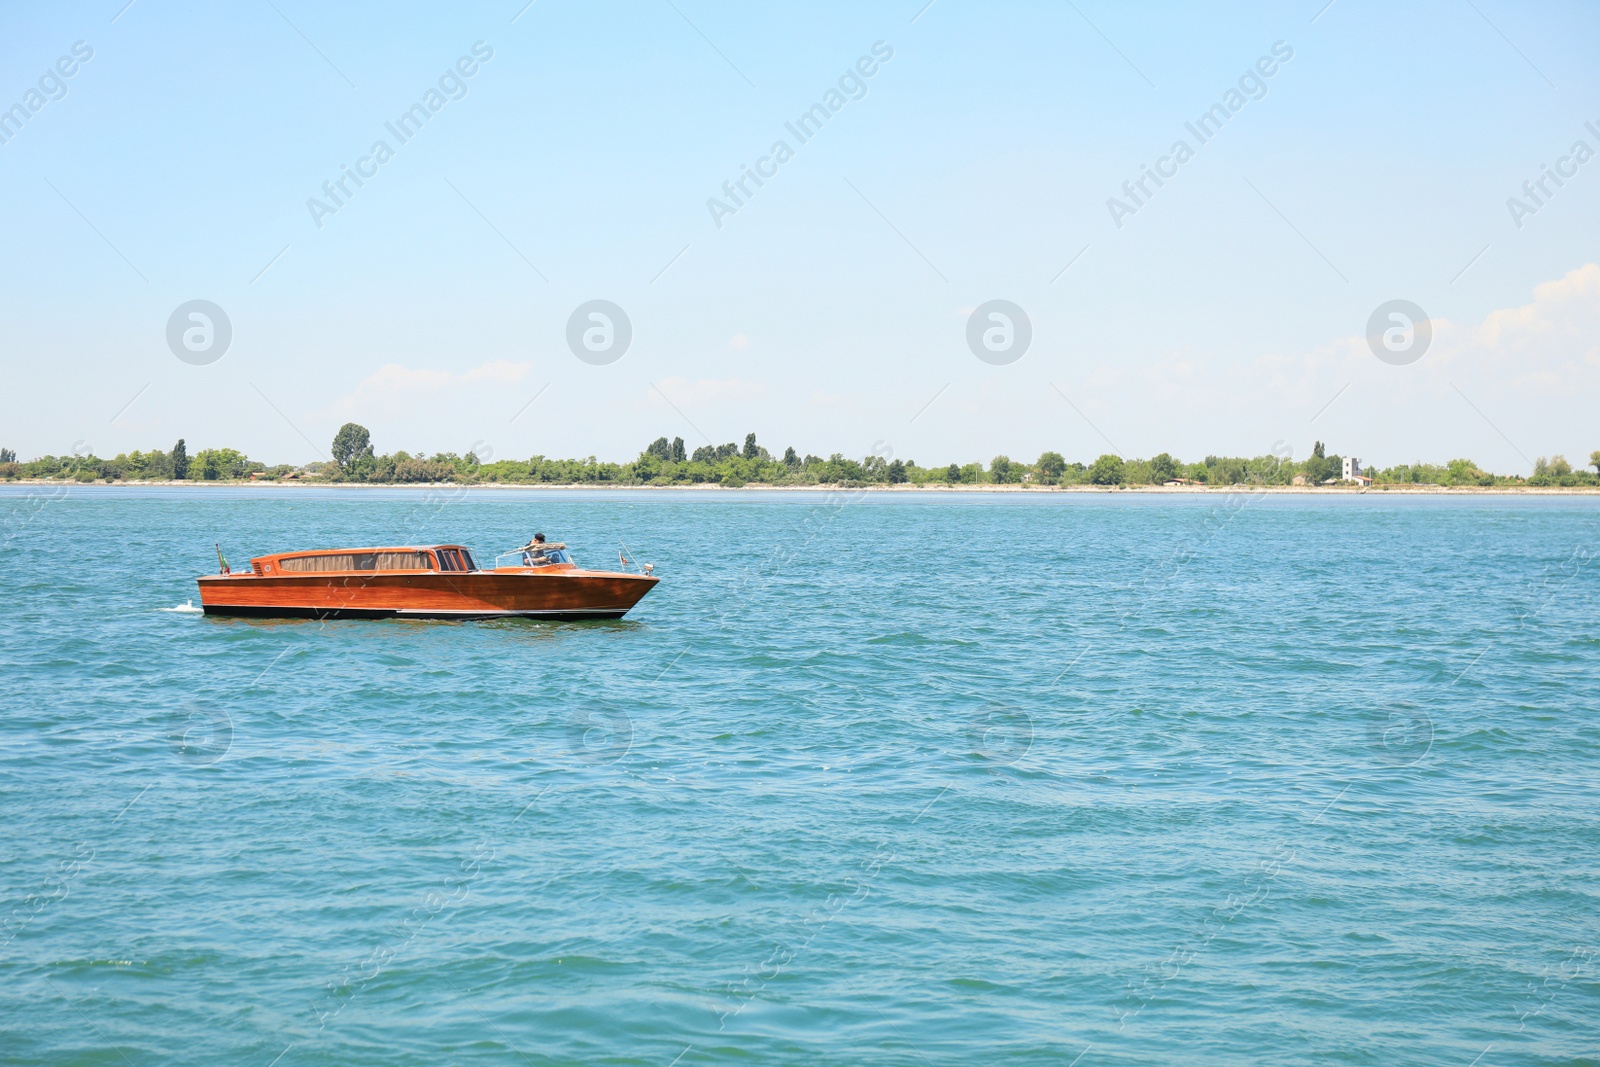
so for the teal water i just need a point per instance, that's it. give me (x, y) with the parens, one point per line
(1023, 779)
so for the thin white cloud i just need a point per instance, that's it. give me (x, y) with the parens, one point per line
(822, 400)
(392, 383)
(1558, 332)
(707, 391)
(1550, 342)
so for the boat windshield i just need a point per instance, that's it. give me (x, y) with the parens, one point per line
(547, 556)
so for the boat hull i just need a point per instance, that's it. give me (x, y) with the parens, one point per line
(568, 595)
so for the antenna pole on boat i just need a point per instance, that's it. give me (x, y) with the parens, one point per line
(630, 558)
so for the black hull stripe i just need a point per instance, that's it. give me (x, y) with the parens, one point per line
(255, 612)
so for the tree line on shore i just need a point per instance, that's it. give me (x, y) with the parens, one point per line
(670, 462)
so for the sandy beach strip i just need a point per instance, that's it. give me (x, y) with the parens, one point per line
(873, 487)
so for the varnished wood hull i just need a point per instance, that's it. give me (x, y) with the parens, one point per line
(568, 594)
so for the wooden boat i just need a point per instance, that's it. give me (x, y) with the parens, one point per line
(431, 582)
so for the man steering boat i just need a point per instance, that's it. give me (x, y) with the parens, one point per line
(541, 553)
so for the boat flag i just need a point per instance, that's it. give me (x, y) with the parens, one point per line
(222, 560)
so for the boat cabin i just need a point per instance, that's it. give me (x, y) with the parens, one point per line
(366, 560)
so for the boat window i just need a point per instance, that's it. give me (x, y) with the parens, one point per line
(450, 560)
(332, 562)
(403, 561)
(358, 561)
(467, 562)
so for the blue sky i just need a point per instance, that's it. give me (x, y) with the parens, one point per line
(1226, 315)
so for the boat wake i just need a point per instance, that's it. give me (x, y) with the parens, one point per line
(186, 608)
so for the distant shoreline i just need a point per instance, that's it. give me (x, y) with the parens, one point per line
(875, 487)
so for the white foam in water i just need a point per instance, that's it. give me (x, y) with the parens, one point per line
(186, 608)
